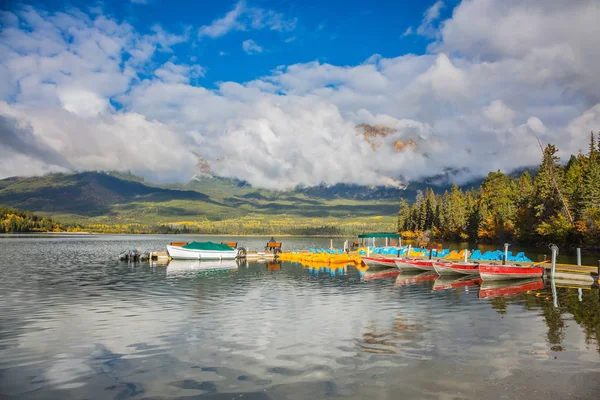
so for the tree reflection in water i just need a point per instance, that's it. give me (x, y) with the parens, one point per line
(586, 312)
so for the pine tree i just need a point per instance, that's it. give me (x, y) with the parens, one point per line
(404, 216)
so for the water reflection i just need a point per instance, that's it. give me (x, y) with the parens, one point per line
(74, 323)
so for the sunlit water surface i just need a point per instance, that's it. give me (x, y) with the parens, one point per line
(76, 323)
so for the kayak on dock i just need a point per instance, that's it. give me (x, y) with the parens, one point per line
(490, 272)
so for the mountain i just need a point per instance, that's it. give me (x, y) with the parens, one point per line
(122, 198)
(117, 197)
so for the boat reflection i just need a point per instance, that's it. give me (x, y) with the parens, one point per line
(378, 273)
(453, 282)
(508, 288)
(411, 278)
(192, 267)
(273, 266)
(316, 268)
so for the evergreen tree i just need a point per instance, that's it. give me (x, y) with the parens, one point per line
(404, 222)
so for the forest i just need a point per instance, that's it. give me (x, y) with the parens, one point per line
(560, 203)
(13, 220)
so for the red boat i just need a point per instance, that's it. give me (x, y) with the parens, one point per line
(406, 264)
(457, 268)
(379, 262)
(405, 279)
(498, 289)
(490, 272)
(442, 283)
(425, 265)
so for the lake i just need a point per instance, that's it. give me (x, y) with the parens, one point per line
(76, 323)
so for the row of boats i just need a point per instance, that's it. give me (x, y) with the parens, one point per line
(487, 272)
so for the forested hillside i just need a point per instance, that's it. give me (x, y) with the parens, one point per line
(13, 220)
(560, 203)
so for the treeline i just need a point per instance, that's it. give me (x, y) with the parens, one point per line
(13, 221)
(559, 204)
(251, 226)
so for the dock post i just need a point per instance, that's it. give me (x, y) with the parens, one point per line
(579, 256)
(554, 249)
(505, 256)
(408, 252)
(368, 251)
(386, 242)
(466, 255)
(430, 253)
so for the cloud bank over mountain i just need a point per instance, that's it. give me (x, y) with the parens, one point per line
(85, 91)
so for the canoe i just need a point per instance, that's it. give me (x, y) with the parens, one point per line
(444, 282)
(505, 272)
(379, 262)
(508, 288)
(201, 251)
(457, 269)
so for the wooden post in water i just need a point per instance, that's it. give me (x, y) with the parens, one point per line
(505, 256)
(579, 256)
(386, 242)
(466, 255)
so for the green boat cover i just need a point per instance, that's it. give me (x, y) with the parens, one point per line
(380, 235)
(207, 246)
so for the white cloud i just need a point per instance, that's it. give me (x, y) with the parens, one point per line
(251, 47)
(500, 73)
(431, 15)
(242, 18)
(179, 73)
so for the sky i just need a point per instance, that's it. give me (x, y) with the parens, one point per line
(271, 92)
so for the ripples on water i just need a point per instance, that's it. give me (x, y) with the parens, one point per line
(74, 323)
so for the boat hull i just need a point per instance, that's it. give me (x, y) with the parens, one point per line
(424, 265)
(405, 265)
(508, 272)
(457, 269)
(180, 253)
(379, 262)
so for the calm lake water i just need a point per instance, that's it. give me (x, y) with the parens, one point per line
(75, 323)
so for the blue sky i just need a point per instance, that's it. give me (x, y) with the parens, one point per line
(338, 32)
(274, 92)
